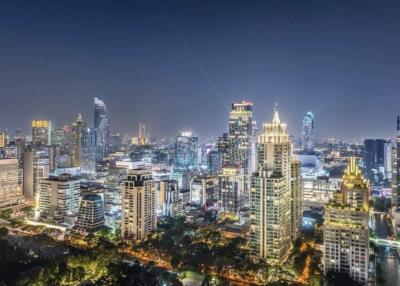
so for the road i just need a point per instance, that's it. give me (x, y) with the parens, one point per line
(388, 258)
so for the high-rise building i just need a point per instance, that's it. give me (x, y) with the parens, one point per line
(214, 163)
(396, 168)
(58, 197)
(102, 128)
(88, 159)
(170, 204)
(271, 193)
(142, 139)
(374, 154)
(139, 217)
(224, 148)
(296, 190)
(41, 132)
(203, 189)
(241, 135)
(231, 182)
(91, 214)
(345, 230)
(10, 183)
(308, 132)
(36, 167)
(186, 152)
(76, 141)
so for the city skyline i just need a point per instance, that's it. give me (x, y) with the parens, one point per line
(164, 58)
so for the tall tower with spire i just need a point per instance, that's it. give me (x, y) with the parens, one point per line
(345, 230)
(271, 193)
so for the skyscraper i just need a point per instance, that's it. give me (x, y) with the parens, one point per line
(168, 197)
(345, 230)
(76, 141)
(271, 193)
(374, 153)
(36, 167)
(308, 132)
(41, 132)
(296, 193)
(241, 135)
(396, 169)
(102, 128)
(88, 158)
(186, 151)
(139, 217)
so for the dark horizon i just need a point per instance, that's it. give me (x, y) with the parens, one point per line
(178, 65)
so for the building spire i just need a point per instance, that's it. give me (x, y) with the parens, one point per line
(276, 120)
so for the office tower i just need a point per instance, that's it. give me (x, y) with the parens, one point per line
(115, 142)
(88, 158)
(214, 163)
(186, 151)
(139, 216)
(308, 132)
(224, 148)
(3, 139)
(203, 189)
(41, 132)
(394, 176)
(396, 168)
(345, 229)
(10, 183)
(142, 139)
(271, 193)
(101, 127)
(58, 197)
(169, 202)
(77, 130)
(388, 159)
(36, 167)
(231, 182)
(374, 154)
(91, 214)
(241, 135)
(296, 189)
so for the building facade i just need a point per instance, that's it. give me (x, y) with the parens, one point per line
(139, 217)
(271, 193)
(10, 183)
(91, 214)
(41, 132)
(308, 132)
(345, 229)
(231, 184)
(101, 128)
(58, 197)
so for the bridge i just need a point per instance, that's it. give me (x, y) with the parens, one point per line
(386, 242)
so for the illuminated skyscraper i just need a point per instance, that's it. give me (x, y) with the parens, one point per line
(186, 151)
(296, 193)
(3, 139)
(41, 132)
(142, 139)
(241, 135)
(170, 204)
(308, 132)
(88, 159)
(102, 128)
(76, 141)
(271, 193)
(139, 216)
(345, 230)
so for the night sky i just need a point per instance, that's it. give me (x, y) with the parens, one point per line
(179, 64)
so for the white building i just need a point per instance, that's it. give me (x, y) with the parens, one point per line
(58, 197)
(10, 183)
(139, 216)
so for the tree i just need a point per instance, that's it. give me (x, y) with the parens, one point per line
(3, 232)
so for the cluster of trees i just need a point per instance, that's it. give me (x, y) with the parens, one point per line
(203, 250)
